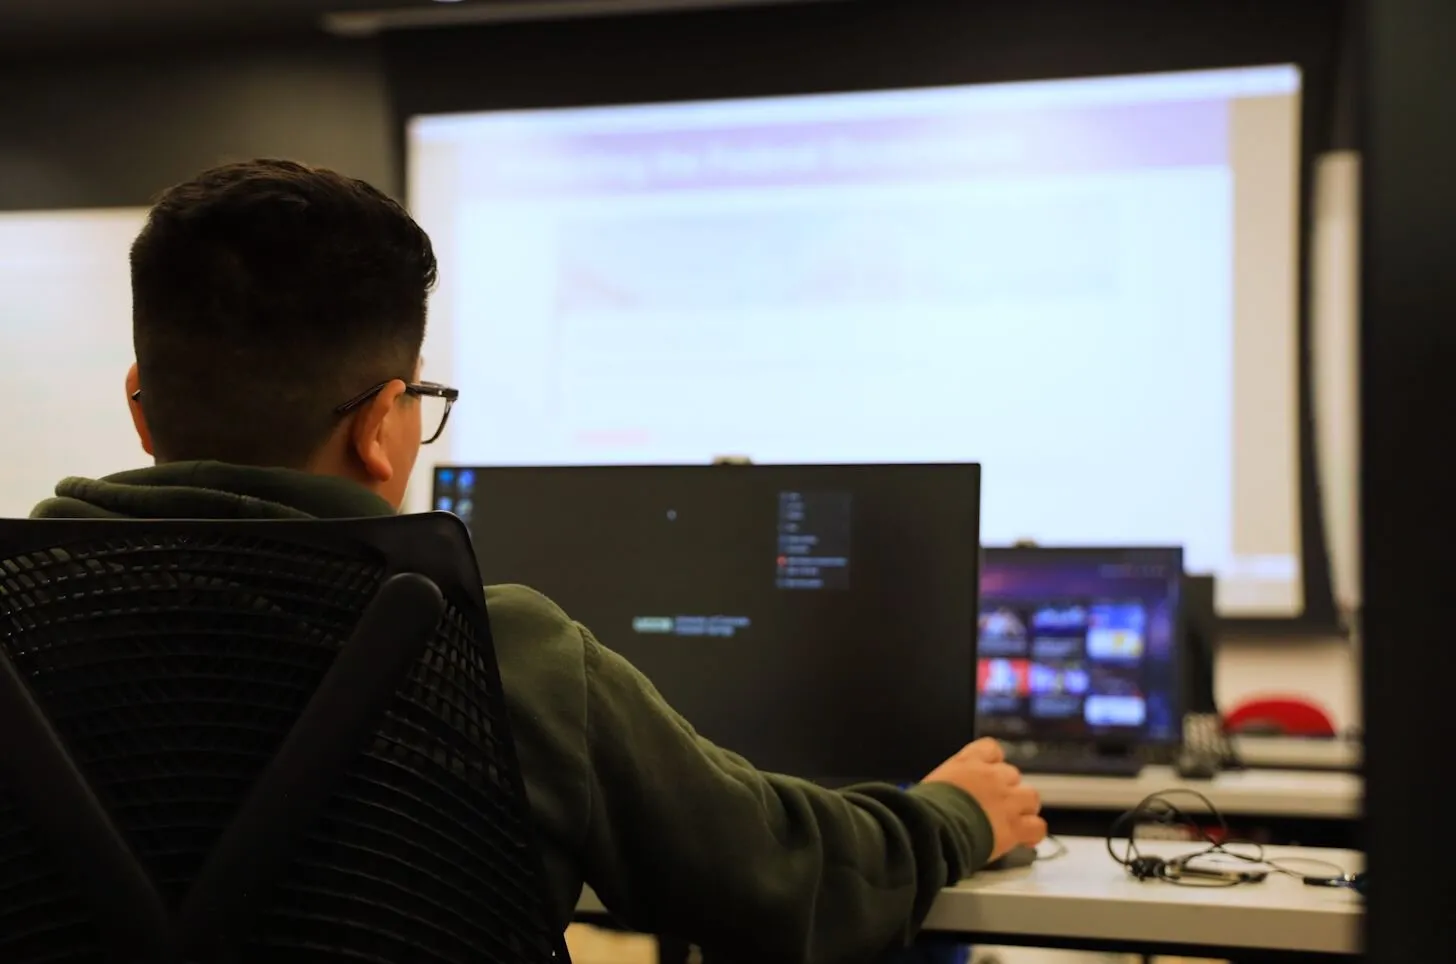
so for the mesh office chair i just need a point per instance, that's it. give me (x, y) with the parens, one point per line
(257, 741)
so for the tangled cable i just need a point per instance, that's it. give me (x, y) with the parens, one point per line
(1220, 861)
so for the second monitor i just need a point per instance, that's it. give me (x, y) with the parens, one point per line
(1082, 646)
(819, 620)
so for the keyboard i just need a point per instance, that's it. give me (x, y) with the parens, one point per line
(1080, 765)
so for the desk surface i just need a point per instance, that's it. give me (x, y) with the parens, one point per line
(1283, 752)
(1266, 793)
(1085, 896)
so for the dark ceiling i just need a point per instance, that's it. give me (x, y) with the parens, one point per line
(41, 26)
(50, 24)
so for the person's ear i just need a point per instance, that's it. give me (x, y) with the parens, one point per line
(370, 431)
(134, 405)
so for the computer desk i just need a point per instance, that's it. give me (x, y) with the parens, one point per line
(1296, 794)
(1083, 900)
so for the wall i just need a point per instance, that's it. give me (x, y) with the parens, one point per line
(1326, 671)
(111, 132)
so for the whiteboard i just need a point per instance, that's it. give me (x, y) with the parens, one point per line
(65, 326)
(1334, 325)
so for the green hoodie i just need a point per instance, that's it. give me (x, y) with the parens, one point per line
(676, 836)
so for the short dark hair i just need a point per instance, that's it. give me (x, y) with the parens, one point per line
(264, 295)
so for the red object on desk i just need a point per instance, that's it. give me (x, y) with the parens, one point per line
(1283, 716)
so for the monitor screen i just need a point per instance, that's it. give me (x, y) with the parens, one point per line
(1081, 644)
(818, 620)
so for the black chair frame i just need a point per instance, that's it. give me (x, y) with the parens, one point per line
(428, 568)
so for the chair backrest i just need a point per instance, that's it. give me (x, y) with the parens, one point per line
(276, 741)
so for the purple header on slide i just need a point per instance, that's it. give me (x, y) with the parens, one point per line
(1032, 143)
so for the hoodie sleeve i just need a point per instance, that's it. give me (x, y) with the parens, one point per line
(687, 839)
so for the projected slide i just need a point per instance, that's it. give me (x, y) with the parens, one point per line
(1087, 286)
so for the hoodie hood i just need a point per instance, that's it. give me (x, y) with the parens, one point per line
(211, 490)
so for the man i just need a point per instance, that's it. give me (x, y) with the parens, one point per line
(278, 315)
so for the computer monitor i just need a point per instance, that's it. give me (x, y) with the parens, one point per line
(819, 620)
(1081, 646)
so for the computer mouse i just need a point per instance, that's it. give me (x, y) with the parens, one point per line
(1018, 857)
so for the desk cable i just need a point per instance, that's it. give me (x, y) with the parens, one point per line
(1057, 851)
(1220, 860)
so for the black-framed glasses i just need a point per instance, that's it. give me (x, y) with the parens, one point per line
(435, 399)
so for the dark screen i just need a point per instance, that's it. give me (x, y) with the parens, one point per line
(818, 620)
(1081, 645)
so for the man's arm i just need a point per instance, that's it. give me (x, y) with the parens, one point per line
(687, 839)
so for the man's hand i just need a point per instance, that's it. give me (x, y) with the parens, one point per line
(1013, 808)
